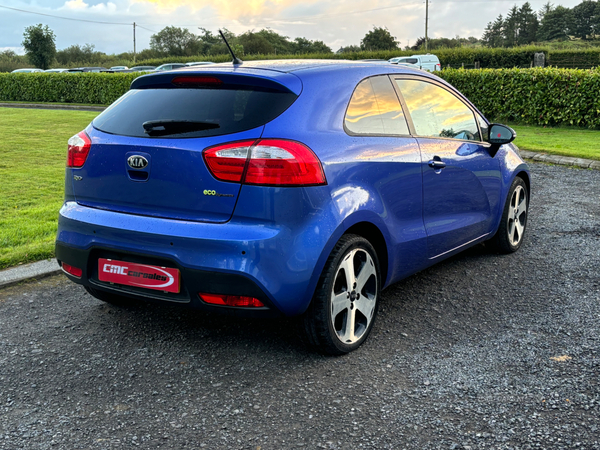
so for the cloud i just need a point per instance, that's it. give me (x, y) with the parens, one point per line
(76, 4)
(80, 5)
(231, 9)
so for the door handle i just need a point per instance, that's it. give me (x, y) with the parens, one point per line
(437, 164)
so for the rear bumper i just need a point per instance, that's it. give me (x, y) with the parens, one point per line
(266, 262)
(193, 281)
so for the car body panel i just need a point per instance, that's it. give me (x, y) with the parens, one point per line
(461, 199)
(172, 185)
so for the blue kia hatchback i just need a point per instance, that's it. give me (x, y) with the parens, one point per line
(294, 188)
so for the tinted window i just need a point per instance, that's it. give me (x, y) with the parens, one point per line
(374, 109)
(485, 128)
(225, 111)
(436, 112)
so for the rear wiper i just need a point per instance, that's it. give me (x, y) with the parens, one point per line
(171, 126)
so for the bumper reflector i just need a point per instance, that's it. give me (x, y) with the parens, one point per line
(231, 300)
(75, 271)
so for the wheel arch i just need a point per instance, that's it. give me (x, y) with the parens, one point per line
(373, 234)
(527, 180)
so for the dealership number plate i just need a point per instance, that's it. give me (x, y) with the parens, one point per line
(139, 275)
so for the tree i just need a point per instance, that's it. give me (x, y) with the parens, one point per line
(493, 36)
(39, 45)
(349, 49)
(585, 20)
(255, 44)
(78, 54)
(528, 25)
(302, 46)
(545, 10)
(174, 41)
(511, 27)
(379, 39)
(280, 44)
(555, 24)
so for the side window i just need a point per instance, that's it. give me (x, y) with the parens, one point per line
(436, 112)
(374, 109)
(484, 127)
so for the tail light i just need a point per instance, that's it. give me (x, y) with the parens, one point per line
(231, 300)
(265, 162)
(79, 147)
(75, 271)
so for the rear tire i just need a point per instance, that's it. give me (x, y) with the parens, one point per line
(107, 297)
(344, 306)
(509, 237)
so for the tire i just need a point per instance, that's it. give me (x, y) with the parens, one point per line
(509, 237)
(113, 299)
(344, 306)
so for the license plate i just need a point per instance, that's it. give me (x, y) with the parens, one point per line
(139, 275)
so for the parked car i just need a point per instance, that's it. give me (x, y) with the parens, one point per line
(170, 66)
(27, 70)
(428, 62)
(199, 63)
(143, 68)
(288, 188)
(119, 68)
(89, 69)
(56, 70)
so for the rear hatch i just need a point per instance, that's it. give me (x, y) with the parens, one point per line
(146, 155)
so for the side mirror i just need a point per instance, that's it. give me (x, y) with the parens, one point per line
(501, 134)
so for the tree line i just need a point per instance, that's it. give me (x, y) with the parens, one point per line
(522, 26)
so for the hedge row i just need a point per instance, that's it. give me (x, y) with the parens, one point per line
(487, 57)
(95, 88)
(536, 96)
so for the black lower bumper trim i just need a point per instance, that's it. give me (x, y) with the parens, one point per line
(192, 281)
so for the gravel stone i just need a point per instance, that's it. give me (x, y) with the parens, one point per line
(481, 351)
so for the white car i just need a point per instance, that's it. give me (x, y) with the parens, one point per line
(27, 70)
(428, 62)
(56, 70)
(200, 63)
(170, 66)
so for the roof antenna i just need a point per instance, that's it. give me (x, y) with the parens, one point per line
(235, 61)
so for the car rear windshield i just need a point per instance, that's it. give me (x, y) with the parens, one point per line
(195, 112)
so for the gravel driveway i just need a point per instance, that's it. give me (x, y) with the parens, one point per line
(480, 351)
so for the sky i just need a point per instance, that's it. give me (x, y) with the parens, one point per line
(337, 23)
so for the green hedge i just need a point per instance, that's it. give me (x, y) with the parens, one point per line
(95, 88)
(538, 96)
(487, 57)
(582, 58)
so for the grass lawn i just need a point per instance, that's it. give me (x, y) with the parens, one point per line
(33, 152)
(565, 141)
(33, 147)
(53, 104)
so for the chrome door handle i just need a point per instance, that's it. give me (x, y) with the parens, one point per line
(437, 164)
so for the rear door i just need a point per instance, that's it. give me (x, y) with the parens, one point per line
(461, 180)
(146, 156)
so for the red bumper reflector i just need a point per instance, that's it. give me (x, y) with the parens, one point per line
(75, 271)
(231, 300)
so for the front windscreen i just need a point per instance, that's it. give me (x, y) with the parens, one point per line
(192, 112)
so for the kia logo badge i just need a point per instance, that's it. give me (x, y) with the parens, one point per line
(137, 162)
